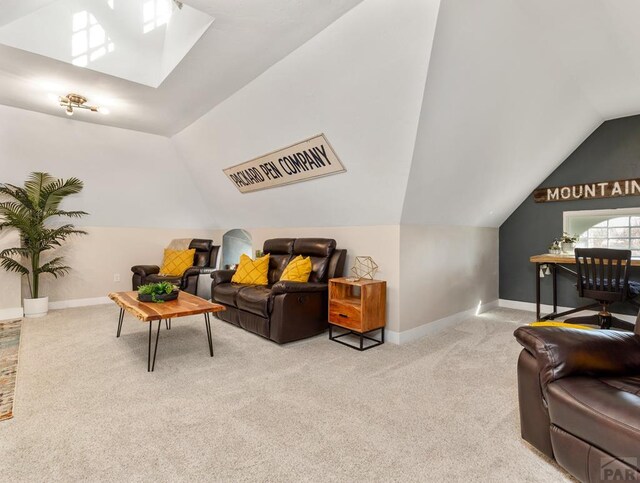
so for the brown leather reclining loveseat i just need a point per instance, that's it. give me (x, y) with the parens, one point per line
(579, 393)
(282, 311)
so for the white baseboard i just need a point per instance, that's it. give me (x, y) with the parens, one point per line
(11, 314)
(547, 309)
(436, 326)
(67, 304)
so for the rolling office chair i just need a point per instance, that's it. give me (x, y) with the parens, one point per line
(603, 275)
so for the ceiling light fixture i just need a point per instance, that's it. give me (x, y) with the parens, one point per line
(76, 101)
(178, 4)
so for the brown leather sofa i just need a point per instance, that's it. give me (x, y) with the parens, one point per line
(282, 311)
(579, 394)
(204, 261)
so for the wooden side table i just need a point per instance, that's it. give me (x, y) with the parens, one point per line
(359, 306)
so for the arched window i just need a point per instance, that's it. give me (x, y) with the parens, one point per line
(606, 228)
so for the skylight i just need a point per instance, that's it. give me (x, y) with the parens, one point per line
(138, 40)
(155, 13)
(89, 41)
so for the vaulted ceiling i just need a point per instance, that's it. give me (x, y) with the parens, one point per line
(246, 38)
(513, 88)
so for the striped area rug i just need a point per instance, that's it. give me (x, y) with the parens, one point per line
(9, 345)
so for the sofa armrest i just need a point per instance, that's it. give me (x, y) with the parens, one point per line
(297, 287)
(144, 270)
(562, 352)
(195, 271)
(221, 276)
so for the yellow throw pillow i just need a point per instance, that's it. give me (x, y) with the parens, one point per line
(176, 262)
(553, 323)
(252, 272)
(298, 270)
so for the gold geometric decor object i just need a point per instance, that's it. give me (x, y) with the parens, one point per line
(364, 267)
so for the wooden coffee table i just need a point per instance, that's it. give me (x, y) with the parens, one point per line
(185, 304)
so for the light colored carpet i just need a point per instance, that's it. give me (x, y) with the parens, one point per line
(440, 409)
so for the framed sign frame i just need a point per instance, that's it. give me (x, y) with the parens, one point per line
(303, 161)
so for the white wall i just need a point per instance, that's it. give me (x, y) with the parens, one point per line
(131, 178)
(501, 108)
(10, 297)
(106, 251)
(360, 81)
(445, 270)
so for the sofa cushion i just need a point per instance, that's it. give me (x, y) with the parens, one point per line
(226, 293)
(320, 251)
(604, 412)
(254, 299)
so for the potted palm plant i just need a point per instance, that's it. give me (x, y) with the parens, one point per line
(29, 210)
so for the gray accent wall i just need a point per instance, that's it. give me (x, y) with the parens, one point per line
(611, 152)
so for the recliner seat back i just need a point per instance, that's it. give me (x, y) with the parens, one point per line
(202, 257)
(279, 250)
(282, 250)
(320, 251)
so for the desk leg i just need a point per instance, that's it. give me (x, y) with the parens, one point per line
(554, 273)
(537, 273)
(120, 319)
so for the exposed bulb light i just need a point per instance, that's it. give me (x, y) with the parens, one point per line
(76, 101)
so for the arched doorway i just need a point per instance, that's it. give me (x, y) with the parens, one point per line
(234, 243)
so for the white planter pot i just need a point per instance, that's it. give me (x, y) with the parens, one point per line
(568, 248)
(36, 307)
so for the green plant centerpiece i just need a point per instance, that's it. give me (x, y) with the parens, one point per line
(34, 211)
(157, 292)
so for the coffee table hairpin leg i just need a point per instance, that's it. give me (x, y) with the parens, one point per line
(150, 366)
(120, 319)
(207, 324)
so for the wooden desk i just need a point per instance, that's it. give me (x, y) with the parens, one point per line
(185, 304)
(555, 263)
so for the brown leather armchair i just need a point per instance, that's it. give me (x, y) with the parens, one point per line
(579, 394)
(204, 262)
(282, 311)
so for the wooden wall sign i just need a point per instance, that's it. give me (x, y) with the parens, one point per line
(587, 191)
(308, 159)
